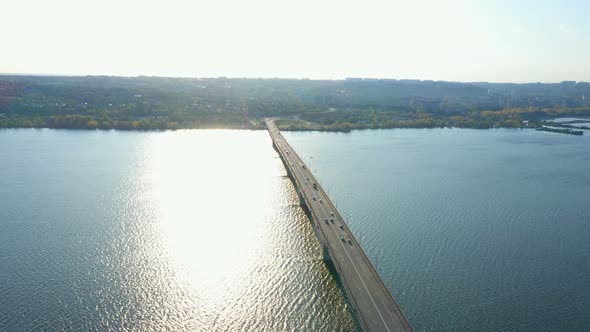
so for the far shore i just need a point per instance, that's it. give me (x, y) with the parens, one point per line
(261, 127)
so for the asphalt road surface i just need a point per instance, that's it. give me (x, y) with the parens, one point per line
(374, 306)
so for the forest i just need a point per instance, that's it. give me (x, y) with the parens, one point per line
(159, 103)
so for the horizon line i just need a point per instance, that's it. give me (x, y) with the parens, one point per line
(351, 78)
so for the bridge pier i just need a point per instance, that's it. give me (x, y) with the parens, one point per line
(326, 253)
(314, 223)
(371, 302)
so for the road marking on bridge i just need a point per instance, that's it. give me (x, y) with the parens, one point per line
(342, 245)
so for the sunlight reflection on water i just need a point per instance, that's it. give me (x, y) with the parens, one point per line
(218, 196)
(186, 230)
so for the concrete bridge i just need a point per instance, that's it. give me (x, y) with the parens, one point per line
(373, 305)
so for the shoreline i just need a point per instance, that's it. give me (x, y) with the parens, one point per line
(258, 129)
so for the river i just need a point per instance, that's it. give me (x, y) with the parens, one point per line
(201, 229)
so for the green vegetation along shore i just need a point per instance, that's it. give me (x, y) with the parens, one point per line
(155, 103)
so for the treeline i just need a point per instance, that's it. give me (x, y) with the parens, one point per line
(84, 122)
(509, 118)
(151, 103)
(88, 122)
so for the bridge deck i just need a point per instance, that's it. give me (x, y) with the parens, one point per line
(374, 306)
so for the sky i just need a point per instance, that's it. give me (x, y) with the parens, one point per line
(453, 40)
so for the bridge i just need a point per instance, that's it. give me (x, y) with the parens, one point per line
(373, 305)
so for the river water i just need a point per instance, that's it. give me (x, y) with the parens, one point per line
(201, 230)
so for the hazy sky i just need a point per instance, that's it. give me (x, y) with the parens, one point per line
(495, 40)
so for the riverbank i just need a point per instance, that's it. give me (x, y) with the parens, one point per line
(162, 123)
(81, 122)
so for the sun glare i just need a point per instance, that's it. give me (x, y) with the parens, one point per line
(192, 182)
